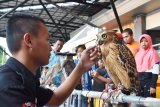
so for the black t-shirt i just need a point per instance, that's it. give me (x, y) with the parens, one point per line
(20, 88)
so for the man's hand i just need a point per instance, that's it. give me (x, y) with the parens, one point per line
(95, 74)
(89, 57)
(152, 90)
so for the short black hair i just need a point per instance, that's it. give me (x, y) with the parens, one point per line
(59, 39)
(80, 46)
(17, 26)
(128, 30)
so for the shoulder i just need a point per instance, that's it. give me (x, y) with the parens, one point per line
(101, 70)
(8, 77)
(52, 54)
(6, 71)
(136, 44)
(153, 53)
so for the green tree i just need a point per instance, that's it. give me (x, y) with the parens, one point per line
(3, 57)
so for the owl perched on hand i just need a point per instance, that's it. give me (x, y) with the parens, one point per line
(118, 60)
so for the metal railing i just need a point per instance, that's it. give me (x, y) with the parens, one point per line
(158, 47)
(121, 98)
(135, 101)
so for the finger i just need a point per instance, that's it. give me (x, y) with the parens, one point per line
(90, 49)
(94, 59)
(99, 49)
(94, 52)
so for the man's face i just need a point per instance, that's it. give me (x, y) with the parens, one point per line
(128, 39)
(41, 47)
(58, 46)
(100, 63)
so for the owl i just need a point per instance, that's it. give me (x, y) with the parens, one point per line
(119, 61)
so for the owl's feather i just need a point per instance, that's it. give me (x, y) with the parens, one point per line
(118, 60)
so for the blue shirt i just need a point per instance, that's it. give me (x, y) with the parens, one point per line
(54, 59)
(86, 78)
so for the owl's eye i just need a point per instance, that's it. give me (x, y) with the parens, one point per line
(104, 36)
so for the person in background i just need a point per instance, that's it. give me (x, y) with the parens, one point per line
(86, 79)
(54, 61)
(54, 58)
(100, 77)
(28, 41)
(129, 40)
(147, 61)
(101, 80)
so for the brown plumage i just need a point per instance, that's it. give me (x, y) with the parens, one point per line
(119, 61)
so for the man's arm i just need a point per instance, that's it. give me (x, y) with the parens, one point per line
(89, 57)
(106, 80)
(100, 78)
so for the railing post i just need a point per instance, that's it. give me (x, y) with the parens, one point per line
(79, 100)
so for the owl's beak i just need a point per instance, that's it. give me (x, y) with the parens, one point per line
(100, 42)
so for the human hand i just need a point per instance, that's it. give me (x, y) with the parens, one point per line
(106, 88)
(152, 90)
(94, 74)
(88, 57)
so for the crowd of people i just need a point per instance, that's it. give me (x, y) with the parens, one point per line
(30, 50)
(147, 61)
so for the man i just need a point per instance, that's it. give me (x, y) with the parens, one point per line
(55, 60)
(129, 40)
(100, 77)
(28, 41)
(86, 79)
(101, 80)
